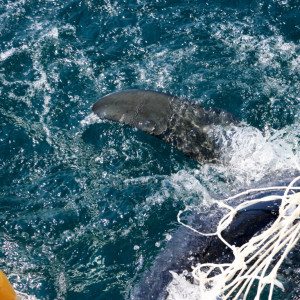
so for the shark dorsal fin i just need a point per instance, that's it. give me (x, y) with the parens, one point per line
(184, 124)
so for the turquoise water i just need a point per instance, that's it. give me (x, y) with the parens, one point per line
(87, 205)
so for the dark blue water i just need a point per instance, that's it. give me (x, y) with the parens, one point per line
(87, 205)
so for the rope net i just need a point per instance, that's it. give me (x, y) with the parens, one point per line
(256, 263)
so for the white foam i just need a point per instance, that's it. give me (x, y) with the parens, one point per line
(24, 296)
(6, 54)
(90, 119)
(53, 33)
(181, 289)
(46, 109)
(112, 7)
(252, 154)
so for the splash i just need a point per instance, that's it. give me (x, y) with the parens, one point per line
(251, 154)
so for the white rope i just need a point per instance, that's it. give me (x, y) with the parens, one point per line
(254, 262)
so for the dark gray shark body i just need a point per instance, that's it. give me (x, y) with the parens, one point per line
(190, 128)
(187, 126)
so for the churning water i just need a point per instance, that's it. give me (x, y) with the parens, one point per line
(87, 205)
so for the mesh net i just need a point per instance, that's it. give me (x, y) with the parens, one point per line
(256, 263)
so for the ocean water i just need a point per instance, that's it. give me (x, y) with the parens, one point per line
(86, 205)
